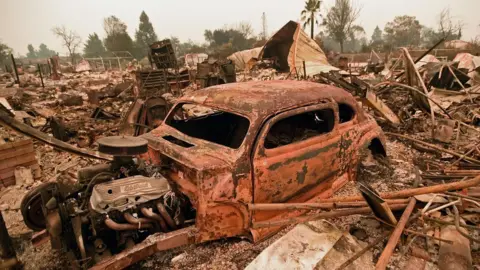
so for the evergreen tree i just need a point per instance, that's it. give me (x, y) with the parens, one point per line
(377, 39)
(5, 52)
(377, 35)
(117, 38)
(94, 46)
(45, 52)
(31, 52)
(145, 35)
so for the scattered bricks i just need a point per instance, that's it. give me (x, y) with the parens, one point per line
(17, 154)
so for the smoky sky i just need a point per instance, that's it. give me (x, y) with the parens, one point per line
(24, 22)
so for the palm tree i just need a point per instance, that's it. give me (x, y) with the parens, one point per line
(312, 8)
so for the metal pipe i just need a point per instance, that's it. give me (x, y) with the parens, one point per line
(166, 216)
(393, 240)
(135, 221)
(323, 215)
(150, 214)
(312, 206)
(15, 69)
(41, 76)
(414, 191)
(126, 227)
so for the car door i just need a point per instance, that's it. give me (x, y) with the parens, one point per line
(348, 131)
(295, 152)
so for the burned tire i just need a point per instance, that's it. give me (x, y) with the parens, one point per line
(31, 207)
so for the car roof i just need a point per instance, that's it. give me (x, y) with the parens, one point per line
(263, 98)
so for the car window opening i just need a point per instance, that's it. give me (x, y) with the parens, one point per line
(300, 127)
(345, 112)
(205, 123)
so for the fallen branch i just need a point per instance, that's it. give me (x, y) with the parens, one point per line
(466, 154)
(434, 147)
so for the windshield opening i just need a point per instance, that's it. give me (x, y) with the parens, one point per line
(208, 124)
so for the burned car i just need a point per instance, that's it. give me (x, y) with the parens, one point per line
(190, 179)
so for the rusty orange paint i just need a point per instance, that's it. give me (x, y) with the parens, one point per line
(221, 181)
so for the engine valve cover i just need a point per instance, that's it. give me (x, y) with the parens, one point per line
(126, 193)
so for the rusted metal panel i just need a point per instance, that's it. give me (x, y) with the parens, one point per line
(260, 99)
(302, 164)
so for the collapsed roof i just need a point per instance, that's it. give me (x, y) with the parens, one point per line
(241, 58)
(469, 63)
(290, 46)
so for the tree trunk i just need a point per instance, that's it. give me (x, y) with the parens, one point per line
(341, 46)
(312, 22)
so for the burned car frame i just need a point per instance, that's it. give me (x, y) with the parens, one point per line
(218, 150)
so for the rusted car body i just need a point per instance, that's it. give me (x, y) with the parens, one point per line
(217, 151)
(296, 142)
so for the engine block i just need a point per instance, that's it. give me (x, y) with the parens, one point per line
(126, 193)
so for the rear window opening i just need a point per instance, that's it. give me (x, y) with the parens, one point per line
(208, 124)
(345, 112)
(300, 127)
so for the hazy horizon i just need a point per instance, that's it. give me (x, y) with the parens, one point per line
(30, 22)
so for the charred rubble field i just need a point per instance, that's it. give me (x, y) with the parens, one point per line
(432, 136)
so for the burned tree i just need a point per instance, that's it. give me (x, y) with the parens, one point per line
(447, 27)
(340, 21)
(71, 40)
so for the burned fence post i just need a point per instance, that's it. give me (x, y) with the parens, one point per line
(41, 76)
(49, 68)
(8, 257)
(15, 69)
(55, 67)
(304, 70)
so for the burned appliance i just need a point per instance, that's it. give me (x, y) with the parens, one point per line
(112, 207)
